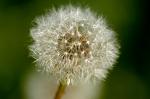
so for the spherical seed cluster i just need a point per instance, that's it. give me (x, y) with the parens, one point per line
(73, 45)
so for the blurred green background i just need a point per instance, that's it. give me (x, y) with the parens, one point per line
(130, 78)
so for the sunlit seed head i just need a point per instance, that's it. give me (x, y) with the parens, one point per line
(74, 45)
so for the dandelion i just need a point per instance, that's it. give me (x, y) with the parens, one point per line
(73, 45)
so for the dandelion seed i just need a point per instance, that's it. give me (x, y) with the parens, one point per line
(73, 44)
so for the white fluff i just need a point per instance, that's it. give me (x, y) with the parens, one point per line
(68, 66)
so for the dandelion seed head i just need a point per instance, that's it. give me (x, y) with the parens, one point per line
(73, 43)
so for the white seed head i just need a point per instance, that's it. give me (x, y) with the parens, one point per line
(73, 44)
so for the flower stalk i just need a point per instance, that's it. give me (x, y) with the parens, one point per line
(60, 91)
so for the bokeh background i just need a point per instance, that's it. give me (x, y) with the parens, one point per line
(130, 78)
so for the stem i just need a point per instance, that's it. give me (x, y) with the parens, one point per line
(60, 91)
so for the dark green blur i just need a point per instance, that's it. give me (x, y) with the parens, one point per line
(130, 78)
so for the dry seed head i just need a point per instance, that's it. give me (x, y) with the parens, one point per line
(73, 45)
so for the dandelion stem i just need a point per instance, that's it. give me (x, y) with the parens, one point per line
(60, 91)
